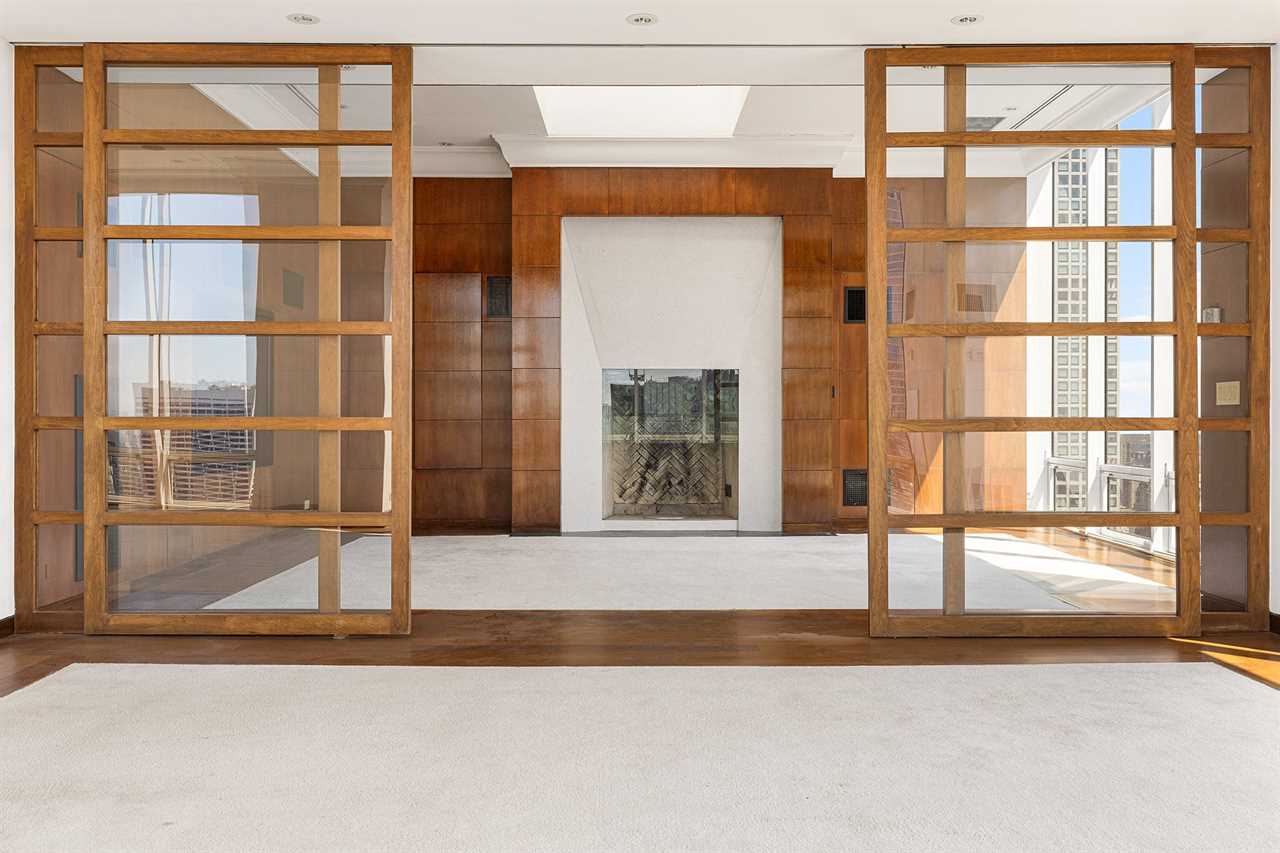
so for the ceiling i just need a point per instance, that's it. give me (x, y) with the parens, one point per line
(815, 22)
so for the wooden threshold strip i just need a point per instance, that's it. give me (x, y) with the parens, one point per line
(293, 424)
(1054, 138)
(258, 622)
(248, 517)
(1035, 519)
(245, 327)
(1021, 330)
(147, 136)
(1019, 234)
(246, 232)
(1023, 424)
(1082, 624)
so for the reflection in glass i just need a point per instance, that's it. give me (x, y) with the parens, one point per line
(242, 376)
(232, 98)
(59, 277)
(59, 566)
(60, 376)
(1222, 100)
(59, 100)
(1223, 277)
(60, 187)
(158, 568)
(230, 280)
(59, 467)
(219, 469)
(242, 185)
(671, 443)
(1224, 377)
(1224, 471)
(1222, 187)
(1224, 569)
(1059, 570)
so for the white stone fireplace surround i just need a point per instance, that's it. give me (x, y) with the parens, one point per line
(678, 293)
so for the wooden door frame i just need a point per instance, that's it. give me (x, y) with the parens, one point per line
(1183, 140)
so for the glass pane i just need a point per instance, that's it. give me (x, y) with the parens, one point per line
(1222, 100)
(670, 443)
(1068, 376)
(1055, 570)
(1222, 188)
(1223, 273)
(246, 469)
(1041, 281)
(1224, 569)
(236, 98)
(59, 282)
(242, 185)
(242, 375)
(189, 568)
(914, 98)
(232, 280)
(59, 567)
(1224, 471)
(1131, 471)
(59, 376)
(60, 187)
(1224, 377)
(59, 463)
(1067, 97)
(1034, 187)
(59, 100)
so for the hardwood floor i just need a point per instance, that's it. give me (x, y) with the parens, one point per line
(628, 638)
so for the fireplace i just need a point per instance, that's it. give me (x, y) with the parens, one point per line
(670, 443)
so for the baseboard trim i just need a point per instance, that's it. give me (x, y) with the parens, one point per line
(1275, 623)
(6, 625)
(460, 528)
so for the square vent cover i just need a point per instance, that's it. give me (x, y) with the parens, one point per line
(855, 487)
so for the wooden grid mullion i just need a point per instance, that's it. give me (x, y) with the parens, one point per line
(247, 327)
(1044, 518)
(247, 517)
(246, 54)
(301, 233)
(1024, 329)
(325, 137)
(1029, 424)
(277, 423)
(999, 138)
(24, 472)
(874, 94)
(1017, 234)
(402, 337)
(1072, 54)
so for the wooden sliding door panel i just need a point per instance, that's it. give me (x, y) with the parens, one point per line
(978, 277)
(238, 463)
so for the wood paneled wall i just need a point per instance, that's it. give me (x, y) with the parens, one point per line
(461, 356)
(822, 232)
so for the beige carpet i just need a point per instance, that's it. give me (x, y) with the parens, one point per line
(1125, 757)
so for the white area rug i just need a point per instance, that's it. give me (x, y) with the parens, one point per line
(692, 573)
(1121, 757)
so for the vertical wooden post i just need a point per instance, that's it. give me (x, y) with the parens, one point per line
(402, 334)
(24, 347)
(953, 462)
(95, 350)
(877, 366)
(1185, 318)
(1260, 339)
(329, 442)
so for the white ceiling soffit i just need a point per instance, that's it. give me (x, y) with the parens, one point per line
(814, 22)
(760, 152)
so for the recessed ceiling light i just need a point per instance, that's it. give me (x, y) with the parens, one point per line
(966, 20)
(642, 19)
(302, 18)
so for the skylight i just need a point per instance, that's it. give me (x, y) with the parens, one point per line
(641, 112)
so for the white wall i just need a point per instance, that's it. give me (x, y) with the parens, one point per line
(673, 293)
(6, 329)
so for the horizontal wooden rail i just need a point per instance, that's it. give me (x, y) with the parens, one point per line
(1093, 54)
(249, 518)
(57, 233)
(246, 327)
(55, 55)
(1021, 330)
(282, 424)
(1230, 57)
(306, 55)
(49, 422)
(292, 138)
(1224, 330)
(1045, 138)
(1022, 424)
(247, 232)
(255, 622)
(57, 139)
(1225, 140)
(1083, 623)
(1035, 519)
(1224, 235)
(1227, 519)
(1225, 424)
(45, 327)
(1076, 233)
(47, 516)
